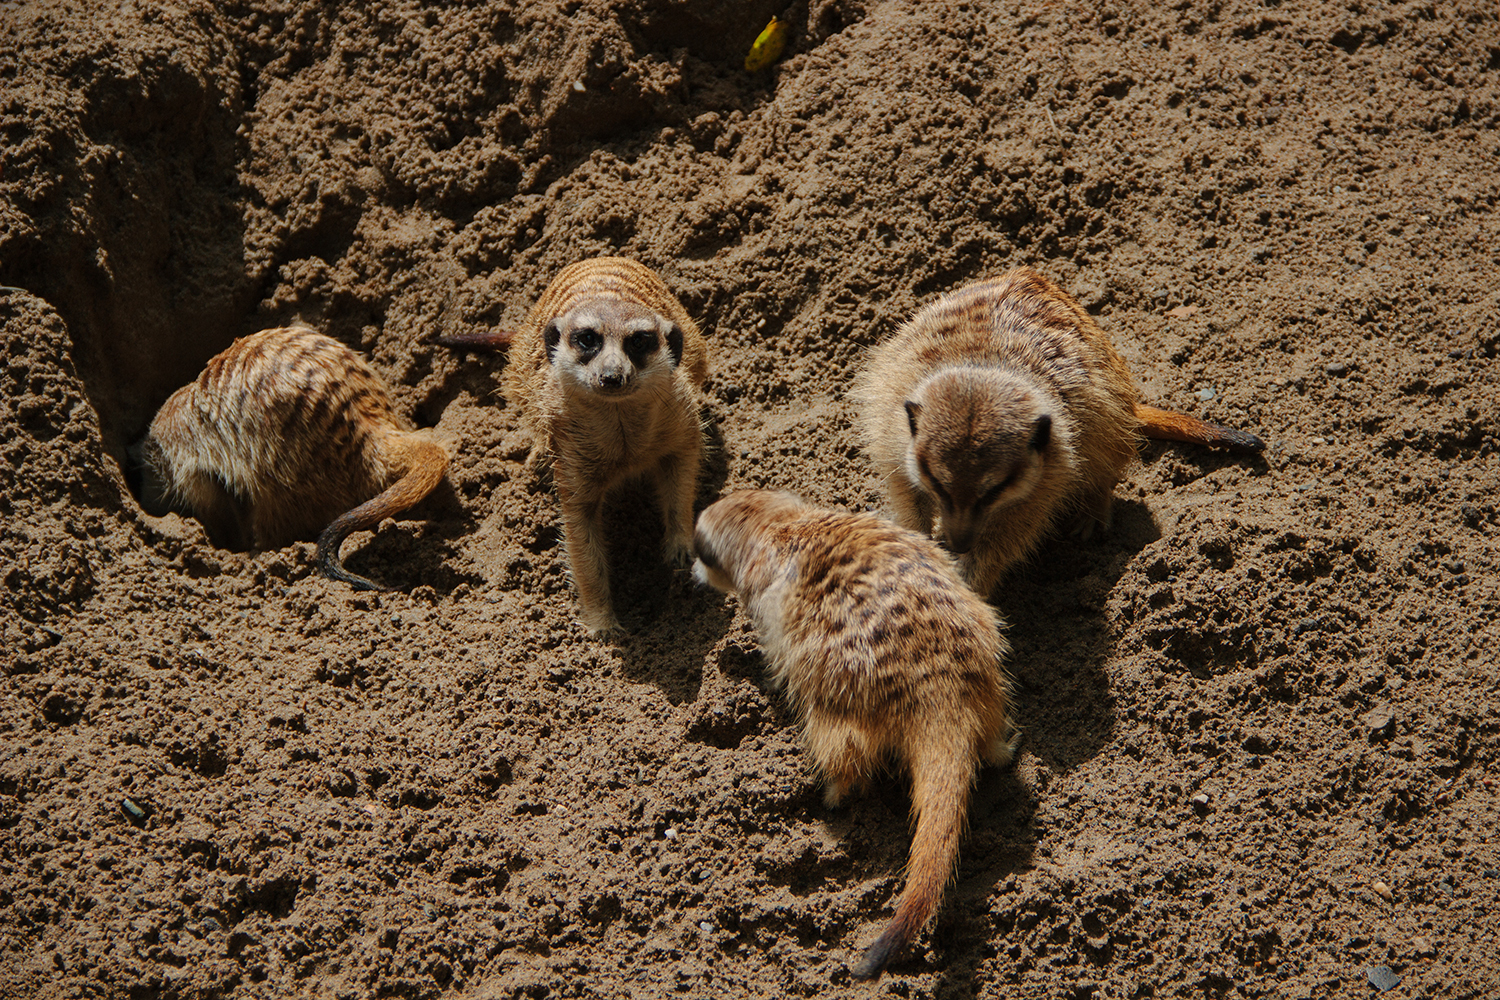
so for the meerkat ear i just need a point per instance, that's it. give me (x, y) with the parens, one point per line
(913, 411)
(1041, 434)
(674, 344)
(552, 336)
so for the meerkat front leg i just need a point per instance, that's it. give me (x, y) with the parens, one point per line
(583, 538)
(676, 483)
(1096, 516)
(982, 568)
(910, 508)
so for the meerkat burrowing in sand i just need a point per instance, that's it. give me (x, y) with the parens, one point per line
(287, 434)
(884, 653)
(607, 375)
(1000, 409)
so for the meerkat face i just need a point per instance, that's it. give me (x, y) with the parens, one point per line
(707, 569)
(980, 441)
(143, 473)
(731, 542)
(613, 348)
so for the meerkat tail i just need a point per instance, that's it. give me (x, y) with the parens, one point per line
(942, 776)
(426, 463)
(1168, 425)
(488, 340)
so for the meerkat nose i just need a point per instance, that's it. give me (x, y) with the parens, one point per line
(612, 380)
(961, 543)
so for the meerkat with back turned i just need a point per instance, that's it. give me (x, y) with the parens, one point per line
(999, 410)
(884, 653)
(608, 375)
(287, 434)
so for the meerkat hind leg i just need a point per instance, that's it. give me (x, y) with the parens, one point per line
(1000, 750)
(841, 752)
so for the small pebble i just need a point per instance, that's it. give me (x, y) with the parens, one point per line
(1383, 890)
(578, 86)
(1207, 392)
(705, 926)
(670, 833)
(132, 809)
(1337, 368)
(1319, 441)
(1380, 721)
(1382, 978)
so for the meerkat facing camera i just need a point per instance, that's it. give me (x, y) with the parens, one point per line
(883, 652)
(287, 434)
(999, 410)
(607, 374)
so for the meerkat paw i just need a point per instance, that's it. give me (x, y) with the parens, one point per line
(600, 621)
(679, 550)
(1095, 521)
(834, 792)
(538, 461)
(1002, 749)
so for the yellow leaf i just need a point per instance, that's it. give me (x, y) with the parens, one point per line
(768, 46)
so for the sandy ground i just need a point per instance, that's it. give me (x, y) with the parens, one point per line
(1259, 716)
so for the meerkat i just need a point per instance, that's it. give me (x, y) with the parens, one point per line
(999, 410)
(884, 653)
(286, 435)
(607, 375)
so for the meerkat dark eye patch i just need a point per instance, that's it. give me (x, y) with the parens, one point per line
(674, 344)
(994, 492)
(552, 336)
(1041, 434)
(913, 411)
(937, 487)
(641, 345)
(587, 342)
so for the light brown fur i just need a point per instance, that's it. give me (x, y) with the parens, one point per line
(999, 410)
(598, 435)
(884, 653)
(287, 434)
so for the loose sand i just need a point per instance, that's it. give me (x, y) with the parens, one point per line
(1259, 716)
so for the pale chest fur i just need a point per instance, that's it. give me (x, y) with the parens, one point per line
(625, 437)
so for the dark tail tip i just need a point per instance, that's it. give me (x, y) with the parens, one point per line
(873, 962)
(329, 564)
(1238, 440)
(488, 340)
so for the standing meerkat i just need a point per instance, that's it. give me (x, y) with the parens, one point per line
(883, 652)
(607, 375)
(1002, 408)
(287, 434)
